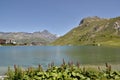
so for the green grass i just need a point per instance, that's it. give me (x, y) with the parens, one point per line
(92, 31)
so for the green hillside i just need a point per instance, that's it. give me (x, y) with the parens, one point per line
(93, 31)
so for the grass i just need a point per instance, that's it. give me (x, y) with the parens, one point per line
(92, 31)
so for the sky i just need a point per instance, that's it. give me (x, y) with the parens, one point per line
(56, 16)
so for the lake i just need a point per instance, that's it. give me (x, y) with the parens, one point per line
(26, 56)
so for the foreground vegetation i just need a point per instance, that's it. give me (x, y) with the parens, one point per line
(64, 72)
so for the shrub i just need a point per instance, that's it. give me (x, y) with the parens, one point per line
(64, 72)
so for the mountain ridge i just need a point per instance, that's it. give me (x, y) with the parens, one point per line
(38, 38)
(93, 31)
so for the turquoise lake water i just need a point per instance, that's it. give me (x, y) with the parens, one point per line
(26, 56)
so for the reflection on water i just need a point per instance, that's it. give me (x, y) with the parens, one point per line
(33, 55)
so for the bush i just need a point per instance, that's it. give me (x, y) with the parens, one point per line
(64, 72)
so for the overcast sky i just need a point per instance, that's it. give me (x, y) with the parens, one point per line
(57, 16)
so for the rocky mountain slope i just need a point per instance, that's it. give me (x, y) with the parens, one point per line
(93, 31)
(36, 38)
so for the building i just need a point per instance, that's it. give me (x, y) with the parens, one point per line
(2, 41)
(10, 41)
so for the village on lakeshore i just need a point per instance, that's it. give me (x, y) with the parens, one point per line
(10, 42)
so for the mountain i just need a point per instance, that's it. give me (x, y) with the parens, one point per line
(93, 31)
(36, 38)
